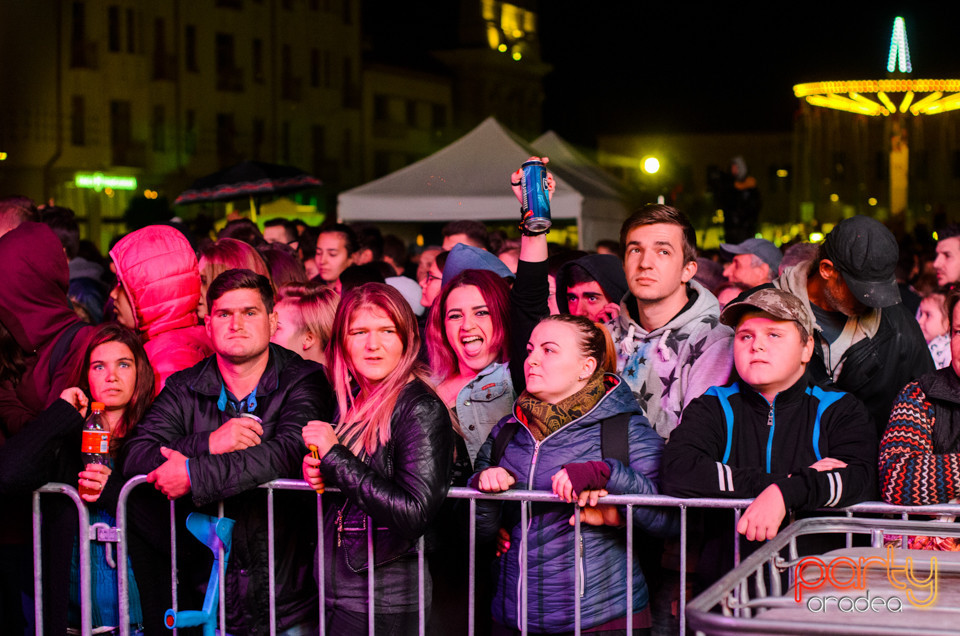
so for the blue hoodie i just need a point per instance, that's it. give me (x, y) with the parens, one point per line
(551, 547)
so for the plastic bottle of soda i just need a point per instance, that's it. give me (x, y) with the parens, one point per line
(95, 443)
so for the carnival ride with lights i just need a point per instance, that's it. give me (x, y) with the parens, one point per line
(897, 96)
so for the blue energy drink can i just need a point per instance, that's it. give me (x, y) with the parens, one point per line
(535, 206)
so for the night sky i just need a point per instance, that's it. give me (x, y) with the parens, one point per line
(647, 67)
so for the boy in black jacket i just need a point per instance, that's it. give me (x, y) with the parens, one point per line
(772, 435)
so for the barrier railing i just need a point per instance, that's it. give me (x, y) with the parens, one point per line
(523, 497)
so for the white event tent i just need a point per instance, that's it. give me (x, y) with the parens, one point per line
(469, 179)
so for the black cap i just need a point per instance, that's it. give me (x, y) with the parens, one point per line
(866, 254)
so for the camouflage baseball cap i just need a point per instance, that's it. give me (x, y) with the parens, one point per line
(776, 302)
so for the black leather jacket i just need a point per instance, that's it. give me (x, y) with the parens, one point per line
(875, 369)
(290, 393)
(401, 486)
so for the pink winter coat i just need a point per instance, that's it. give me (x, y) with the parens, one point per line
(158, 269)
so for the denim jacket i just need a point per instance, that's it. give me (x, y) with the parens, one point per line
(482, 403)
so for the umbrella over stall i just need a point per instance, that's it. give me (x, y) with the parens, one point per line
(252, 179)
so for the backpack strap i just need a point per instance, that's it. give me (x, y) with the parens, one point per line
(614, 438)
(62, 347)
(503, 438)
(723, 394)
(826, 399)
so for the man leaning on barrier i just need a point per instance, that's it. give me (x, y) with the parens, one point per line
(215, 432)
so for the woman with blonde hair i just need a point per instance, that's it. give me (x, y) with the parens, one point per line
(218, 257)
(389, 452)
(305, 320)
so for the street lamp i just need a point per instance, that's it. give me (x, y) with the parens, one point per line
(650, 165)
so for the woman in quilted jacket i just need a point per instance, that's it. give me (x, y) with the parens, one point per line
(555, 441)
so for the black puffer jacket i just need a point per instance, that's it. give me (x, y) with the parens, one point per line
(290, 393)
(401, 486)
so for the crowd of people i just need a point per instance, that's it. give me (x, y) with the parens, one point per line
(804, 378)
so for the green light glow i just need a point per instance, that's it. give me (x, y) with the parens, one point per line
(98, 181)
(899, 48)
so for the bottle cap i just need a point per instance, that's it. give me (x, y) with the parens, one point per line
(97, 406)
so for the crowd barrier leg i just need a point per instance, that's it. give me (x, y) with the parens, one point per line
(321, 565)
(683, 570)
(421, 594)
(522, 604)
(577, 574)
(123, 583)
(371, 600)
(173, 561)
(83, 529)
(223, 578)
(472, 582)
(271, 564)
(629, 569)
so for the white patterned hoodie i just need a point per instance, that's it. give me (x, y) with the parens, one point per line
(668, 367)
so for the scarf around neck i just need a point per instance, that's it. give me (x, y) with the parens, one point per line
(543, 418)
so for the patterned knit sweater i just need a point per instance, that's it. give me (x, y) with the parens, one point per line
(916, 465)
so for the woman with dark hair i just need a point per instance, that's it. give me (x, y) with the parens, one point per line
(555, 440)
(467, 336)
(389, 452)
(337, 245)
(116, 373)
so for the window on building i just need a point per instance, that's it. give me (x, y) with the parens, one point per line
(120, 125)
(77, 121)
(259, 138)
(113, 29)
(327, 69)
(224, 53)
(347, 12)
(956, 164)
(286, 61)
(131, 31)
(159, 126)
(258, 75)
(190, 48)
(346, 153)
(190, 132)
(412, 113)
(318, 136)
(78, 35)
(381, 108)
(438, 116)
(315, 68)
(226, 134)
(314, 5)
(287, 4)
(381, 163)
(285, 142)
(229, 77)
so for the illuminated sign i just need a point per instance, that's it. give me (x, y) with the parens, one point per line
(98, 181)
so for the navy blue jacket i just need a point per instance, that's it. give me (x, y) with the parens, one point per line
(755, 444)
(551, 550)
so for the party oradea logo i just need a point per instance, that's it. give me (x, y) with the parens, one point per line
(845, 573)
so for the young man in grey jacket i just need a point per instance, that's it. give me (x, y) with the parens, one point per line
(670, 344)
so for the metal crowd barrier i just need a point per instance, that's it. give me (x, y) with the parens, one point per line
(525, 497)
(753, 598)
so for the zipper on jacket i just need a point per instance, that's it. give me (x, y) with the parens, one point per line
(521, 556)
(583, 569)
(772, 426)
